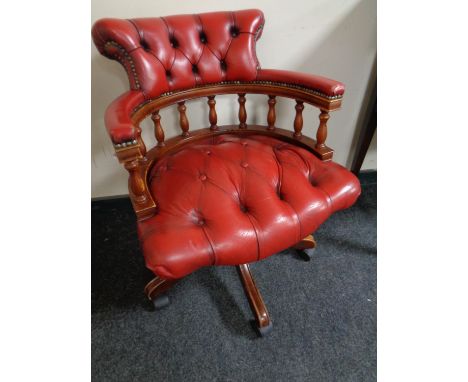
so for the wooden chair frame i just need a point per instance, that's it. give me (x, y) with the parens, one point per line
(138, 161)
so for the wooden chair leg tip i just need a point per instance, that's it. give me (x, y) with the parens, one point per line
(263, 331)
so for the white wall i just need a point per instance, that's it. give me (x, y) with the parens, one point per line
(336, 39)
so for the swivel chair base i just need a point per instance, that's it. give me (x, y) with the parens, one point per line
(156, 288)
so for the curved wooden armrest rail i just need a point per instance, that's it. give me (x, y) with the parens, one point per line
(289, 91)
(138, 161)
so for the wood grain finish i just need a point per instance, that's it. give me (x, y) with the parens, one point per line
(213, 117)
(271, 117)
(298, 121)
(306, 243)
(138, 161)
(141, 144)
(176, 143)
(183, 120)
(283, 91)
(135, 161)
(322, 130)
(137, 185)
(157, 286)
(253, 295)
(242, 111)
(158, 130)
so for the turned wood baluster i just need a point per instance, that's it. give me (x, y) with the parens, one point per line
(184, 123)
(322, 130)
(298, 121)
(212, 115)
(242, 111)
(137, 185)
(158, 131)
(271, 118)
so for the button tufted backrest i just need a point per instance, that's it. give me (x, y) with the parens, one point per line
(180, 52)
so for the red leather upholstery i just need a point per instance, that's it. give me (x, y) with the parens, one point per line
(180, 52)
(118, 116)
(324, 85)
(231, 200)
(225, 200)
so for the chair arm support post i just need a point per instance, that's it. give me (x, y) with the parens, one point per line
(242, 111)
(183, 120)
(271, 117)
(134, 160)
(137, 186)
(322, 129)
(158, 130)
(212, 113)
(298, 120)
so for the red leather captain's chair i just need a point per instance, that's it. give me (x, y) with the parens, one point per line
(221, 195)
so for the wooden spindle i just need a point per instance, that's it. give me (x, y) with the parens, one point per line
(158, 131)
(298, 121)
(137, 185)
(184, 123)
(212, 115)
(242, 111)
(271, 118)
(322, 130)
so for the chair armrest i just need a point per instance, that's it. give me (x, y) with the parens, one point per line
(118, 117)
(325, 86)
(130, 149)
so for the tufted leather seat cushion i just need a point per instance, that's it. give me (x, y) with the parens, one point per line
(229, 200)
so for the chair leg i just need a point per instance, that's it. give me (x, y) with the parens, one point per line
(154, 291)
(262, 318)
(306, 247)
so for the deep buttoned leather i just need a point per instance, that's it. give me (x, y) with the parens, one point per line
(231, 200)
(174, 53)
(224, 200)
(180, 52)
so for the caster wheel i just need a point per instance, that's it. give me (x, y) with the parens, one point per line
(161, 302)
(265, 330)
(306, 254)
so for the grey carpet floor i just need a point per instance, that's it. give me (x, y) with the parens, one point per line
(323, 311)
